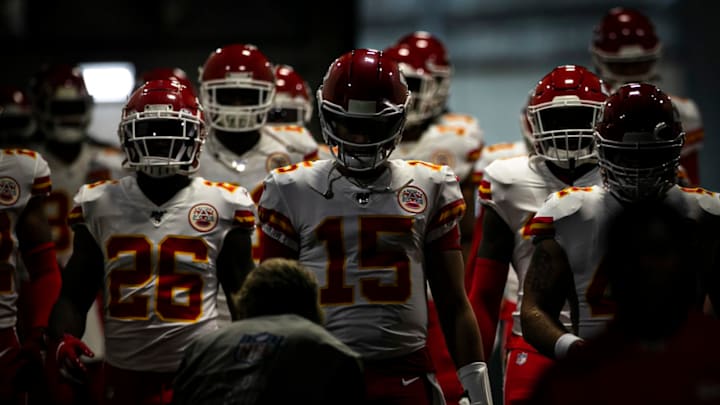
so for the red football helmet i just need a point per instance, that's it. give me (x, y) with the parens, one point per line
(363, 104)
(237, 88)
(162, 129)
(625, 48)
(436, 60)
(639, 138)
(562, 111)
(16, 119)
(420, 81)
(166, 73)
(62, 103)
(293, 100)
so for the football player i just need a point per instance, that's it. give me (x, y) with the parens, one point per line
(489, 154)
(166, 73)
(24, 232)
(435, 135)
(639, 141)
(158, 244)
(562, 111)
(291, 113)
(625, 49)
(63, 110)
(17, 123)
(373, 230)
(237, 89)
(652, 253)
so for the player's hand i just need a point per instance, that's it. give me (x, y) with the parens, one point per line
(68, 356)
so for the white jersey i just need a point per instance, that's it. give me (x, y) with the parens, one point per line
(470, 124)
(23, 174)
(366, 248)
(297, 139)
(453, 140)
(93, 163)
(449, 145)
(218, 163)
(490, 154)
(160, 281)
(516, 188)
(578, 218)
(691, 123)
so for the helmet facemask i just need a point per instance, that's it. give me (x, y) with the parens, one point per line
(628, 67)
(641, 168)
(160, 142)
(361, 141)
(66, 118)
(562, 131)
(237, 104)
(423, 89)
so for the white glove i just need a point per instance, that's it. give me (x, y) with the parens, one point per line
(474, 378)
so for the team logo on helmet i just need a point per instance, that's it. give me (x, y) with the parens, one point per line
(9, 191)
(275, 160)
(203, 217)
(412, 199)
(443, 157)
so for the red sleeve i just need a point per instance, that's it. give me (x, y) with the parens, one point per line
(472, 254)
(270, 247)
(485, 297)
(45, 282)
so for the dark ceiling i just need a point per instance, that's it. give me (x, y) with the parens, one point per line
(178, 33)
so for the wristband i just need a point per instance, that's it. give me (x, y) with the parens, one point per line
(474, 378)
(562, 345)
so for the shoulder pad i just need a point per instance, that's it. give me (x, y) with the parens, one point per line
(508, 171)
(93, 191)
(709, 201)
(565, 202)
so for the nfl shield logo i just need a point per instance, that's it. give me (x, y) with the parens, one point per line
(521, 358)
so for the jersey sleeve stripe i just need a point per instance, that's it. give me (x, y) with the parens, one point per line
(76, 216)
(41, 185)
(542, 226)
(447, 214)
(311, 156)
(484, 190)
(473, 155)
(244, 218)
(278, 222)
